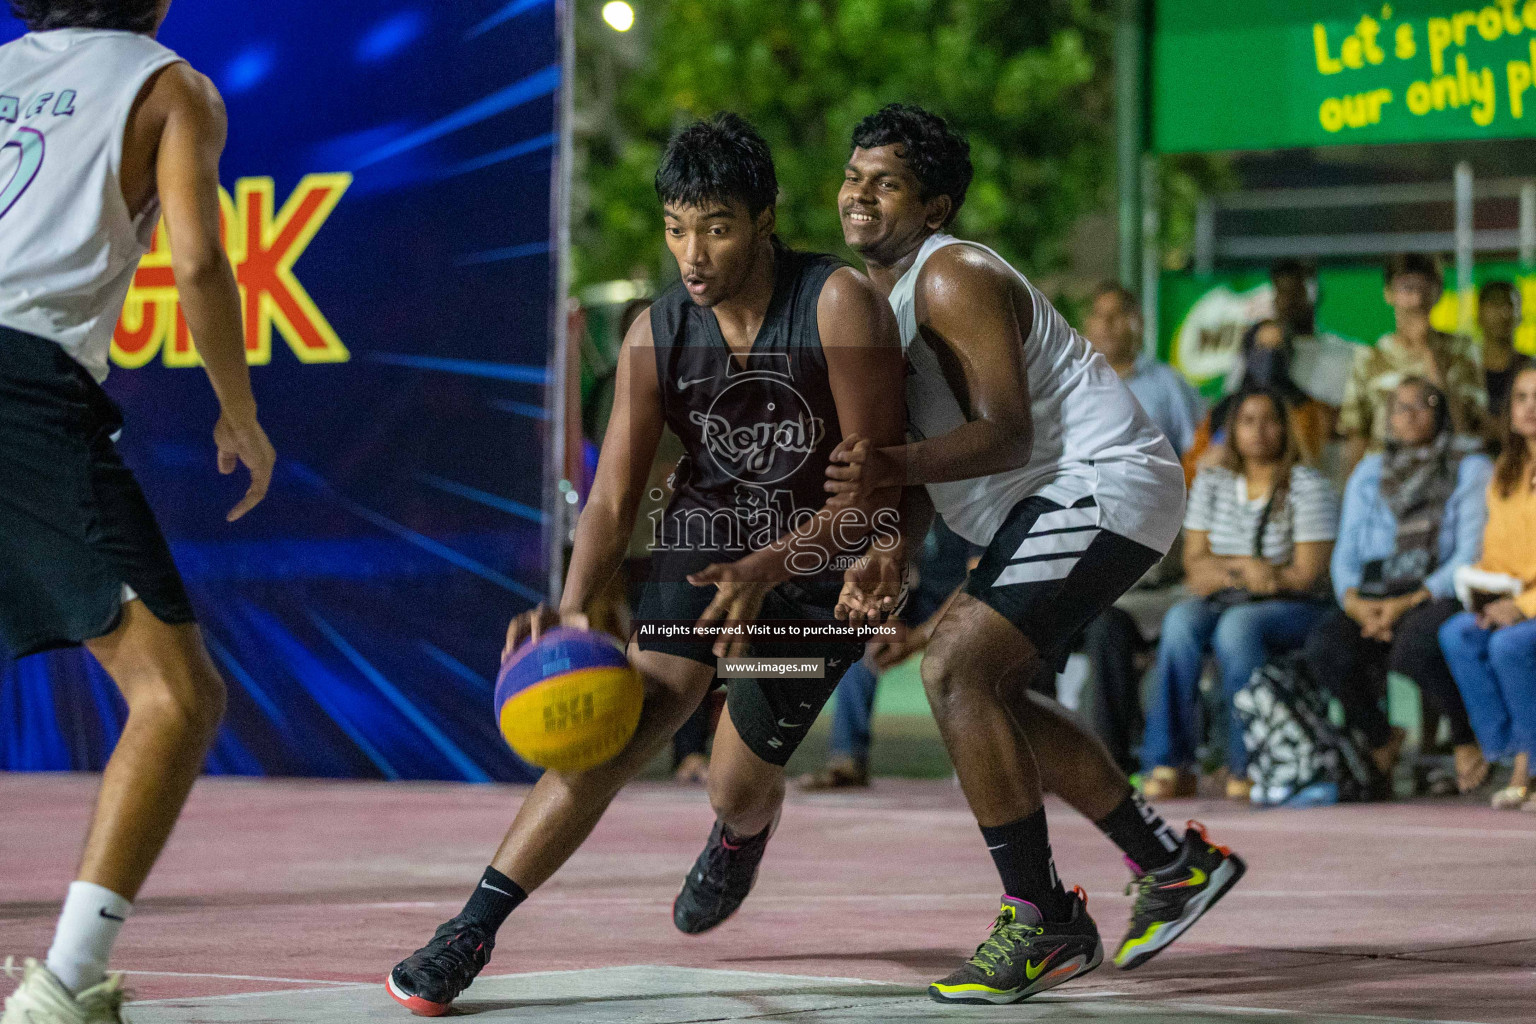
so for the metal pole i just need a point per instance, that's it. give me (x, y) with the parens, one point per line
(1528, 224)
(1151, 251)
(1130, 130)
(1205, 236)
(1464, 247)
(557, 511)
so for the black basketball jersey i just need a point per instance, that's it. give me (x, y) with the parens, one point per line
(757, 430)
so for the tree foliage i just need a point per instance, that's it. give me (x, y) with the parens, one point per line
(1030, 84)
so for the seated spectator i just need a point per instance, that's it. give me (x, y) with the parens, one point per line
(1258, 534)
(1413, 514)
(1498, 314)
(1492, 652)
(1414, 349)
(1112, 641)
(1266, 353)
(1113, 327)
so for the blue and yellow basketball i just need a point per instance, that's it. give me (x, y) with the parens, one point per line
(568, 701)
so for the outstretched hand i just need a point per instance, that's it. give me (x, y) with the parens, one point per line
(737, 600)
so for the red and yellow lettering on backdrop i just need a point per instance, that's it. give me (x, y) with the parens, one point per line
(263, 245)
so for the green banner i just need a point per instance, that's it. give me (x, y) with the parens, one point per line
(1272, 74)
(1201, 320)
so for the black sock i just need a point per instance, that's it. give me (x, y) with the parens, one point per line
(1022, 852)
(495, 897)
(1141, 833)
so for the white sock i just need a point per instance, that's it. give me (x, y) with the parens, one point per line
(88, 927)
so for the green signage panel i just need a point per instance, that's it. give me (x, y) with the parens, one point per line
(1272, 74)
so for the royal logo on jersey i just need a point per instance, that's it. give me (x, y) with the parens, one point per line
(769, 433)
(263, 243)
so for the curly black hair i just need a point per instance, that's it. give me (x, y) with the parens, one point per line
(717, 160)
(937, 154)
(127, 15)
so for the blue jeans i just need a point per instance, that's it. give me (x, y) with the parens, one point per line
(1495, 671)
(852, 711)
(1243, 638)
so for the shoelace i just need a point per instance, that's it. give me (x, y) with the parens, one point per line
(1006, 935)
(455, 958)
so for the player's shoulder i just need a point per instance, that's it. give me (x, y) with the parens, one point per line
(960, 265)
(182, 86)
(849, 296)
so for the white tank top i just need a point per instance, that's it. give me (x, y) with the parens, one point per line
(68, 247)
(1091, 435)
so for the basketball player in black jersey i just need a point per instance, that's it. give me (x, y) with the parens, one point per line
(760, 359)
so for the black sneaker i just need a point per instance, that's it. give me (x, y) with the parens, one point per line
(430, 979)
(719, 880)
(1171, 899)
(1024, 955)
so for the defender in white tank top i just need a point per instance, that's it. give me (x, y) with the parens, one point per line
(1091, 437)
(68, 245)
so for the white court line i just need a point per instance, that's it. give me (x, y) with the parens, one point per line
(1053, 997)
(552, 900)
(236, 977)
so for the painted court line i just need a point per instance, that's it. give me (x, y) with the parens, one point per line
(237, 977)
(894, 990)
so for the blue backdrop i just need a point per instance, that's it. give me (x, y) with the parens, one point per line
(390, 174)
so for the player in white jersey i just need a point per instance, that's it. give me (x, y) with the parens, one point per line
(102, 128)
(1030, 447)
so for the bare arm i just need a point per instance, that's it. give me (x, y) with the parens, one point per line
(1309, 565)
(976, 321)
(1205, 573)
(187, 181)
(623, 467)
(864, 369)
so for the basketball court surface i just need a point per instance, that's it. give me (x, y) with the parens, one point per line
(288, 901)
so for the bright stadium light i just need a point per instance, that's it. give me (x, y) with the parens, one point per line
(619, 15)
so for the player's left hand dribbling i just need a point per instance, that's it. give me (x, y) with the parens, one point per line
(241, 440)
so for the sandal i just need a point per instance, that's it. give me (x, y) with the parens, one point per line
(1511, 798)
(840, 773)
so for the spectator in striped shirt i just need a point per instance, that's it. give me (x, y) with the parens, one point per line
(1259, 532)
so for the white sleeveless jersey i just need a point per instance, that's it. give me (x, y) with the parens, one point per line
(1091, 435)
(68, 246)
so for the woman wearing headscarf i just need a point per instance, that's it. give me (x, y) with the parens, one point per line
(1413, 514)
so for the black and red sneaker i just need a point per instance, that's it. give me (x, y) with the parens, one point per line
(719, 880)
(430, 979)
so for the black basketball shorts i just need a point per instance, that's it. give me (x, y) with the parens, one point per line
(74, 525)
(1050, 570)
(772, 716)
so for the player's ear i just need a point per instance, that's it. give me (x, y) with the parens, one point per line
(767, 220)
(939, 208)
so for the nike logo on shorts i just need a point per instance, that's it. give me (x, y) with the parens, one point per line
(684, 385)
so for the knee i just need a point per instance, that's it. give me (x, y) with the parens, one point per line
(1506, 647)
(1180, 631)
(194, 696)
(1236, 636)
(1459, 633)
(953, 684)
(735, 800)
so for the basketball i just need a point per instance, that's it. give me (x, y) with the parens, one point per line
(569, 700)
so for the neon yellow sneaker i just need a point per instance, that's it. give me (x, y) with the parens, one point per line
(1170, 900)
(1024, 955)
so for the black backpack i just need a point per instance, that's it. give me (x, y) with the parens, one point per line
(1292, 744)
